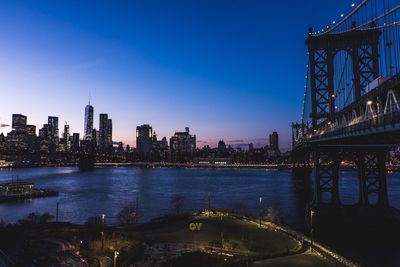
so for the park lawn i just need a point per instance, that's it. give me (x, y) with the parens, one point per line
(239, 236)
(300, 260)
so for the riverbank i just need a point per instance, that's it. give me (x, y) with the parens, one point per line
(390, 168)
(201, 239)
(153, 165)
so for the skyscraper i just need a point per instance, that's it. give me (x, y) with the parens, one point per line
(274, 141)
(66, 137)
(18, 121)
(105, 132)
(88, 124)
(183, 145)
(274, 145)
(75, 142)
(144, 134)
(53, 123)
(109, 132)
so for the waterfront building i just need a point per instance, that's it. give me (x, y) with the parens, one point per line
(222, 151)
(109, 133)
(66, 138)
(75, 142)
(160, 149)
(53, 122)
(95, 138)
(105, 133)
(18, 121)
(120, 149)
(182, 146)
(274, 144)
(31, 130)
(144, 142)
(45, 132)
(46, 139)
(213, 161)
(88, 123)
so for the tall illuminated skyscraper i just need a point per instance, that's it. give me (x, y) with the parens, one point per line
(105, 132)
(144, 140)
(88, 124)
(53, 122)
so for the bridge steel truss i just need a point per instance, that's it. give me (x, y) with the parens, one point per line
(371, 169)
(361, 45)
(361, 133)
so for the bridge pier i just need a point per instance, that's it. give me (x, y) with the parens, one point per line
(372, 176)
(371, 168)
(326, 177)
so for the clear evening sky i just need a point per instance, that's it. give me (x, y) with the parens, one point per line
(231, 70)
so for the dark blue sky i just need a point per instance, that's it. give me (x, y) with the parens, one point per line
(231, 70)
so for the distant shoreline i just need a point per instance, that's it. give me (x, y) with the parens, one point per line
(150, 165)
(159, 165)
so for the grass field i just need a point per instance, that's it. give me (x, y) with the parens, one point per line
(238, 236)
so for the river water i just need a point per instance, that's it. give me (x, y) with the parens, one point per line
(107, 190)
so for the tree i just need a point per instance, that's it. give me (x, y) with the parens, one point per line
(46, 217)
(239, 208)
(94, 222)
(272, 215)
(127, 215)
(177, 203)
(36, 218)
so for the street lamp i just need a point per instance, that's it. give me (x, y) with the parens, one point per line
(311, 227)
(222, 234)
(58, 206)
(116, 253)
(260, 210)
(209, 204)
(103, 216)
(80, 245)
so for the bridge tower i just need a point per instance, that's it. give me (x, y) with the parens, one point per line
(362, 48)
(361, 45)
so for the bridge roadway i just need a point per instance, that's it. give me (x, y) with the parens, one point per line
(372, 120)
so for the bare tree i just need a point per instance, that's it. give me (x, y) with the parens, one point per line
(177, 203)
(272, 214)
(239, 208)
(46, 217)
(127, 215)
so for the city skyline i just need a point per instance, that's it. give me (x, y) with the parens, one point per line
(20, 122)
(222, 85)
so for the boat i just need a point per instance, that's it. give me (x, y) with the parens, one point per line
(15, 191)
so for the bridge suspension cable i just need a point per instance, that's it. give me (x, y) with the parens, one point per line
(306, 108)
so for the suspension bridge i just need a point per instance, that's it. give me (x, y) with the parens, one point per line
(351, 103)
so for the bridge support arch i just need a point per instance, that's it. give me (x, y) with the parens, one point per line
(361, 45)
(371, 172)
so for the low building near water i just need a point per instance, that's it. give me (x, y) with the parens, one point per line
(16, 189)
(213, 161)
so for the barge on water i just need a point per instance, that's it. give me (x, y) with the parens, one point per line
(21, 190)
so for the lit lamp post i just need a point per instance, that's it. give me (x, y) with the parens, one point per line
(58, 206)
(222, 235)
(103, 216)
(80, 245)
(116, 253)
(260, 210)
(209, 204)
(311, 227)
